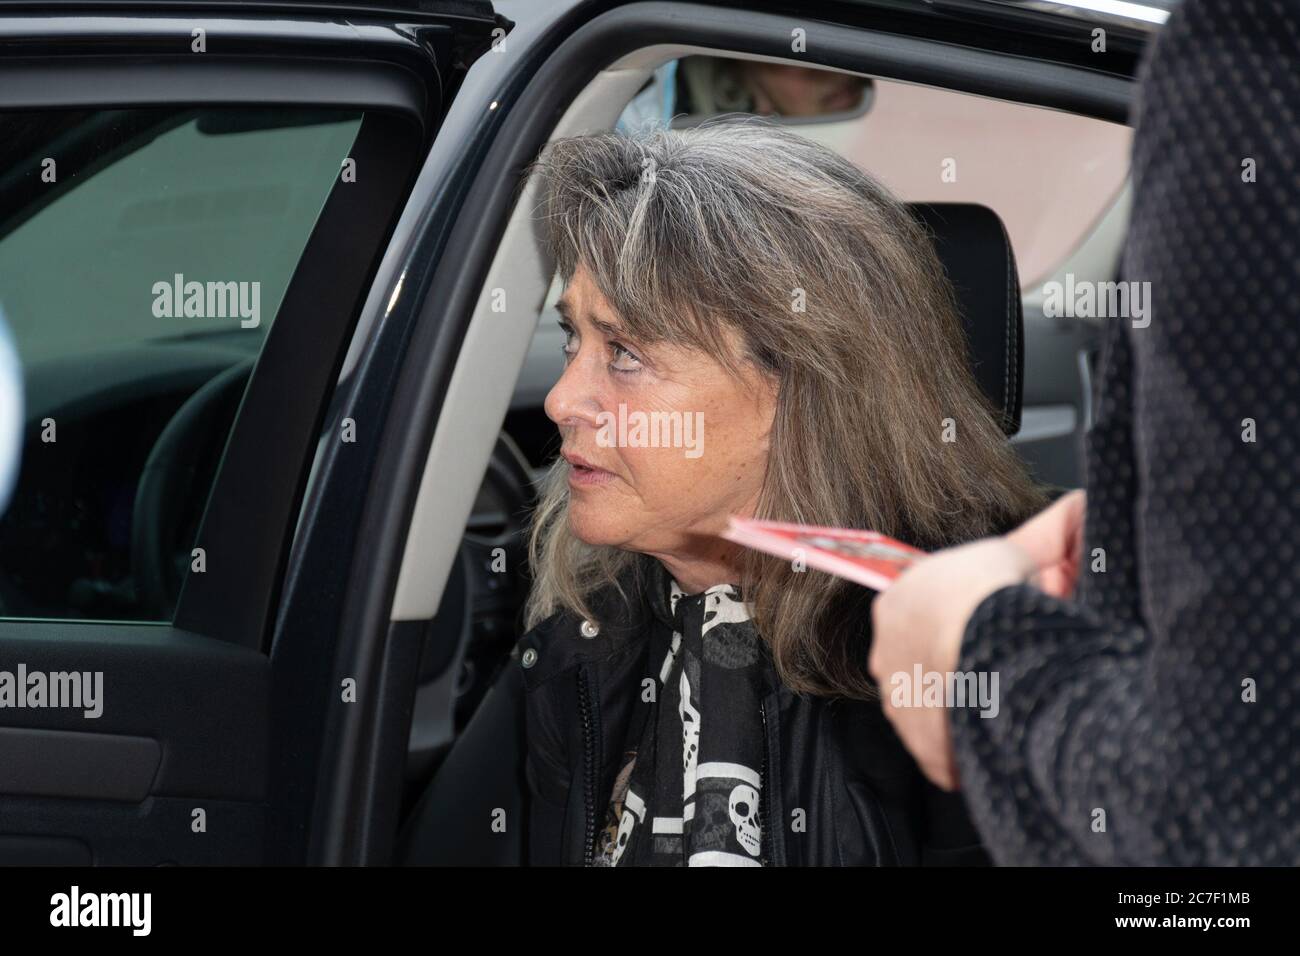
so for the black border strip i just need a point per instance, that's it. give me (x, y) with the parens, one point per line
(94, 82)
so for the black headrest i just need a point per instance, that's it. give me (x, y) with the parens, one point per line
(976, 254)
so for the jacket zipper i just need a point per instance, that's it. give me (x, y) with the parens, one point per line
(589, 781)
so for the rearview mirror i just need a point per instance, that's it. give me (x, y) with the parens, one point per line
(706, 86)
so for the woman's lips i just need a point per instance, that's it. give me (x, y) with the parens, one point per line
(583, 474)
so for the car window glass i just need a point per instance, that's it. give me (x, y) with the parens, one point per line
(143, 257)
(1050, 175)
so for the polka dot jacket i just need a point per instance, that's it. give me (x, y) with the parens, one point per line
(1156, 718)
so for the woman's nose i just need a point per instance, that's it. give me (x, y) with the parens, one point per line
(573, 400)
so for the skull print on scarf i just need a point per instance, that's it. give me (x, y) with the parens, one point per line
(700, 805)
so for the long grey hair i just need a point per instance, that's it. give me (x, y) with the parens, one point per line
(739, 224)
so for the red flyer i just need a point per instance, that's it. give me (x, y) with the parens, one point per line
(867, 557)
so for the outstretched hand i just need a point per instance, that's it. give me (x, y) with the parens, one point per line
(920, 620)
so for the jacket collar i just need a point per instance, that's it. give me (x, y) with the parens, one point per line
(624, 621)
(664, 594)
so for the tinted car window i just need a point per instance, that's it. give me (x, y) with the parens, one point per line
(143, 257)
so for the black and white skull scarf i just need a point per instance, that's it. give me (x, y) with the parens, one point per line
(696, 756)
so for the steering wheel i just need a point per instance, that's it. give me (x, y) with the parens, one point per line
(497, 571)
(181, 466)
(469, 640)
(184, 461)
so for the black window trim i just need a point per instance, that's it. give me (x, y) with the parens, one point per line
(201, 80)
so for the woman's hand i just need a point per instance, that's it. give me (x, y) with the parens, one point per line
(920, 620)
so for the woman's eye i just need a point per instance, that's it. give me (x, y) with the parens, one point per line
(567, 349)
(624, 360)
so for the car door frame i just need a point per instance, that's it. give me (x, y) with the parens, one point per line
(500, 118)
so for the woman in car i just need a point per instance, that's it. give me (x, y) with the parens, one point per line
(754, 327)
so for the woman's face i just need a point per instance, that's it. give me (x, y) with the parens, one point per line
(619, 399)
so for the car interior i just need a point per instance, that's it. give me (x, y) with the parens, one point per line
(103, 530)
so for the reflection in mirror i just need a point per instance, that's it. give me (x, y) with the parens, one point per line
(711, 85)
(693, 89)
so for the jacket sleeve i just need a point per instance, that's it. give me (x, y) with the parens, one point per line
(1153, 719)
(546, 766)
(545, 820)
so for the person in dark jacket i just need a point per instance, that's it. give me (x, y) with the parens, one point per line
(754, 327)
(1150, 717)
(843, 791)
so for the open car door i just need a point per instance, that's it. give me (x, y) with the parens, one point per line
(195, 203)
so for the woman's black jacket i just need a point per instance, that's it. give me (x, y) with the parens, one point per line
(532, 772)
(843, 790)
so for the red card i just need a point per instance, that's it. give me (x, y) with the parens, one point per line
(866, 557)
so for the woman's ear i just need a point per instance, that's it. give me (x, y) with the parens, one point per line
(767, 393)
